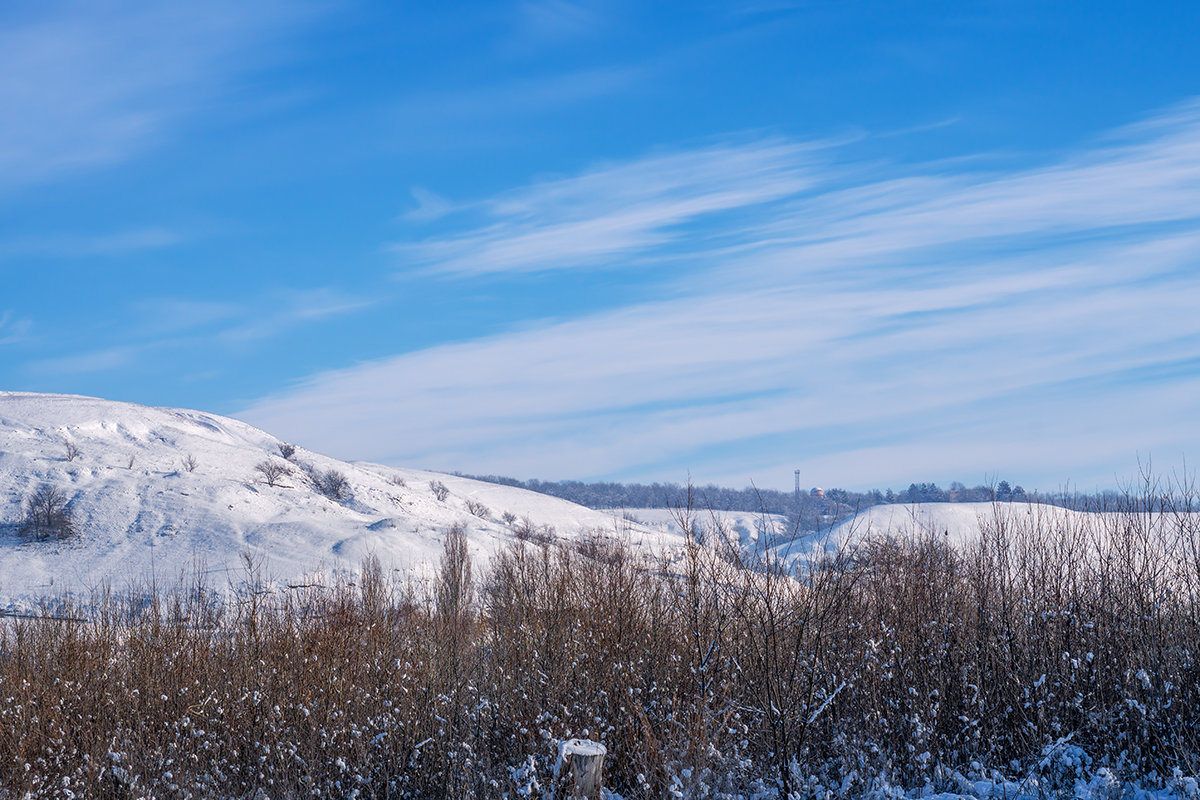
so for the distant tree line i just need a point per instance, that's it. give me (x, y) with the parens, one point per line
(806, 509)
(653, 495)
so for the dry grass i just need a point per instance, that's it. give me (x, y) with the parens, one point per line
(711, 675)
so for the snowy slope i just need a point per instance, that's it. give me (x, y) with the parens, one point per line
(751, 531)
(962, 523)
(143, 514)
(746, 529)
(958, 522)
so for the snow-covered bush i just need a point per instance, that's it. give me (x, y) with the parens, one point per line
(1061, 765)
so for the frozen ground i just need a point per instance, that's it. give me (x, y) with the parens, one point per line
(144, 515)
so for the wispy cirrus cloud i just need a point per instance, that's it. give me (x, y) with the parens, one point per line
(554, 22)
(13, 329)
(83, 85)
(946, 323)
(1143, 175)
(287, 309)
(70, 245)
(439, 118)
(430, 206)
(104, 359)
(160, 316)
(170, 326)
(612, 214)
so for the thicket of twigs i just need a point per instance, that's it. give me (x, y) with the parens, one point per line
(711, 674)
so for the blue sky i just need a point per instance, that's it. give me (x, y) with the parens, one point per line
(879, 244)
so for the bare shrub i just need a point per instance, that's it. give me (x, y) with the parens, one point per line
(46, 515)
(508, 517)
(440, 490)
(287, 450)
(70, 450)
(526, 530)
(332, 484)
(396, 480)
(478, 509)
(896, 663)
(272, 471)
(190, 463)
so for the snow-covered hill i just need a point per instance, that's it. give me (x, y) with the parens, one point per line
(958, 522)
(963, 523)
(159, 492)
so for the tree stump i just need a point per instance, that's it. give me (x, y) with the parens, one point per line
(579, 771)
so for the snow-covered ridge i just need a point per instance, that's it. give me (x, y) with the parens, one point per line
(158, 492)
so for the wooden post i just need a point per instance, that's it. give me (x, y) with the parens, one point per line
(579, 771)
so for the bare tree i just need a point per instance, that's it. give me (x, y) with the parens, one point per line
(478, 509)
(46, 515)
(440, 490)
(454, 591)
(272, 471)
(70, 450)
(190, 463)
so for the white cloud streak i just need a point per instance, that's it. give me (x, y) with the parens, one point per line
(14, 329)
(84, 84)
(103, 360)
(67, 245)
(933, 325)
(554, 22)
(612, 213)
(172, 325)
(444, 114)
(289, 309)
